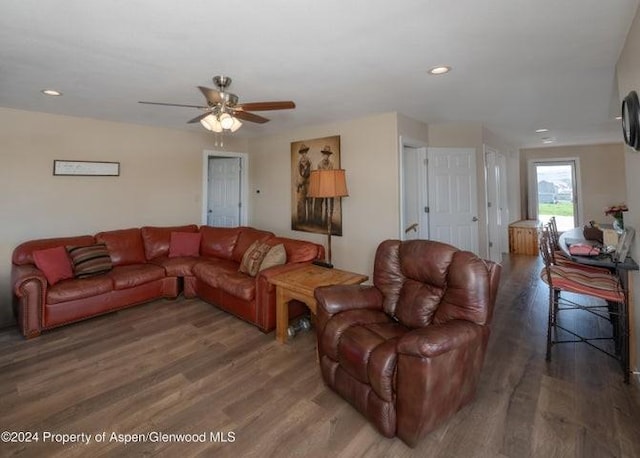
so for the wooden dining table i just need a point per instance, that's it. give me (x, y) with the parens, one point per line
(620, 268)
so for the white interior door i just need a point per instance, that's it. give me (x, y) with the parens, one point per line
(453, 193)
(497, 208)
(224, 191)
(415, 219)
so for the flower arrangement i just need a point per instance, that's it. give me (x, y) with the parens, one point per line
(616, 211)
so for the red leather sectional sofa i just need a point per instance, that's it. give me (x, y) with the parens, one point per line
(143, 271)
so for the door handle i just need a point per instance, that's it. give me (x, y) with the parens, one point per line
(474, 219)
(413, 227)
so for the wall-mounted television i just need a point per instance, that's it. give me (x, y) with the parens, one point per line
(631, 120)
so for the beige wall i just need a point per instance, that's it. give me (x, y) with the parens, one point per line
(369, 154)
(628, 70)
(602, 175)
(160, 181)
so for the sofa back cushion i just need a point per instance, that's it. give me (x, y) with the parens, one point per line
(298, 250)
(247, 237)
(218, 242)
(424, 282)
(23, 253)
(157, 239)
(125, 246)
(184, 244)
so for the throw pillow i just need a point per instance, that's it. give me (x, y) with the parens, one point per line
(90, 260)
(184, 244)
(54, 264)
(252, 258)
(276, 256)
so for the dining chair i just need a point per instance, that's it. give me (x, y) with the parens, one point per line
(603, 286)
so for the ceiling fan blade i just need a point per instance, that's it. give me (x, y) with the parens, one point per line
(264, 106)
(212, 96)
(198, 118)
(172, 104)
(246, 116)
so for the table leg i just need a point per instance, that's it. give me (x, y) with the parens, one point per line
(282, 315)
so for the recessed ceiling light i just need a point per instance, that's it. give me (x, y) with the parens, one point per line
(51, 92)
(548, 140)
(542, 130)
(439, 70)
(619, 118)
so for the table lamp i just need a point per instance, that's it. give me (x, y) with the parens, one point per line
(328, 184)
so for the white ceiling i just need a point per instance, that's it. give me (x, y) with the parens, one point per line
(518, 65)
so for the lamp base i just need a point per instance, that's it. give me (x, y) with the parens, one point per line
(328, 265)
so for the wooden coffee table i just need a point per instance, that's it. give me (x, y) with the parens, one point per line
(300, 284)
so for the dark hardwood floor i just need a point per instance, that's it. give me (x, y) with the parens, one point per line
(186, 367)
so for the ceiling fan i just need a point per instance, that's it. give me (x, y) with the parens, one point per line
(223, 112)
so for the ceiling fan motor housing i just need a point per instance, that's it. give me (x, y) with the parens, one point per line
(222, 82)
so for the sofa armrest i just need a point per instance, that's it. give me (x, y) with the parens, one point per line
(340, 298)
(266, 294)
(435, 340)
(331, 300)
(30, 288)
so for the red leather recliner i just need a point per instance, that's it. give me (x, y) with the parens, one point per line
(407, 351)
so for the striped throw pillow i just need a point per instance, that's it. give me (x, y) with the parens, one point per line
(89, 260)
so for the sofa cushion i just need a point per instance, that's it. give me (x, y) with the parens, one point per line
(247, 237)
(135, 274)
(238, 285)
(157, 239)
(211, 270)
(54, 263)
(184, 244)
(218, 241)
(89, 260)
(276, 256)
(298, 250)
(23, 253)
(125, 246)
(176, 267)
(78, 288)
(253, 257)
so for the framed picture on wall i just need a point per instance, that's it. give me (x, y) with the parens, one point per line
(309, 214)
(86, 168)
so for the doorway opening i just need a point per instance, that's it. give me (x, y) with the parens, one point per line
(497, 205)
(413, 178)
(224, 189)
(554, 192)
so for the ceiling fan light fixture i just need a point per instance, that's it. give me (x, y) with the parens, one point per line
(236, 124)
(216, 126)
(207, 122)
(226, 121)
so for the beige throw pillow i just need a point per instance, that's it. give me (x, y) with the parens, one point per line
(276, 256)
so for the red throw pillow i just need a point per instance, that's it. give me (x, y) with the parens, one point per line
(184, 244)
(54, 263)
